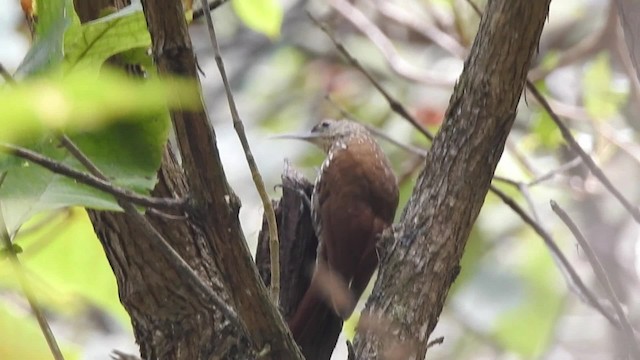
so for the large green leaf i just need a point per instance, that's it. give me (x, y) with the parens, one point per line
(82, 102)
(54, 17)
(119, 123)
(264, 16)
(90, 45)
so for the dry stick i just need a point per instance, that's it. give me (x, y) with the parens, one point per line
(602, 278)
(91, 180)
(274, 243)
(181, 266)
(566, 167)
(395, 105)
(5, 241)
(595, 170)
(198, 13)
(584, 292)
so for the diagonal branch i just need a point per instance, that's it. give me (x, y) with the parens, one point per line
(162, 244)
(601, 274)
(91, 180)
(274, 243)
(393, 103)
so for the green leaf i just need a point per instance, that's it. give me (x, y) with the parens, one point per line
(54, 17)
(90, 45)
(82, 102)
(601, 99)
(125, 138)
(263, 16)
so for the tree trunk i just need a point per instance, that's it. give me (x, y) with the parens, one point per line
(171, 318)
(420, 259)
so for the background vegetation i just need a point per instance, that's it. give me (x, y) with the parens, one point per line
(511, 299)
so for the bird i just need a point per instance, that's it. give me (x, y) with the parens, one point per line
(354, 200)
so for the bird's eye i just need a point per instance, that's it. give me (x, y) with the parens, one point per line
(324, 124)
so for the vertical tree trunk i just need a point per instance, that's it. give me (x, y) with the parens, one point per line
(421, 259)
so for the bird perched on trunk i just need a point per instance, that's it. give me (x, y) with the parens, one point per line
(354, 200)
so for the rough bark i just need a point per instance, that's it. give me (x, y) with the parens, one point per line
(298, 251)
(298, 241)
(420, 260)
(171, 318)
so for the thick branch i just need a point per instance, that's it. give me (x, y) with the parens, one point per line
(421, 261)
(215, 212)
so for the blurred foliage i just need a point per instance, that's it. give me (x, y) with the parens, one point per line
(264, 16)
(509, 301)
(602, 99)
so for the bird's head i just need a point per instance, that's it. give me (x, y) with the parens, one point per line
(329, 132)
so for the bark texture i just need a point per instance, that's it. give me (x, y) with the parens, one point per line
(298, 251)
(171, 318)
(420, 260)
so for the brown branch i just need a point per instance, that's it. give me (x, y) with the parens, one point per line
(588, 161)
(158, 239)
(214, 213)
(574, 279)
(198, 13)
(601, 274)
(396, 106)
(429, 240)
(91, 180)
(274, 243)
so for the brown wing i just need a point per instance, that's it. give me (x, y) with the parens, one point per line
(356, 200)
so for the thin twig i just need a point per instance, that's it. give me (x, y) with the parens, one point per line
(436, 341)
(396, 106)
(562, 168)
(91, 180)
(602, 278)
(274, 243)
(178, 263)
(588, 161)
(5, 241)
(397, 63)
(573, 278)
(417, 22)
(198, 13)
